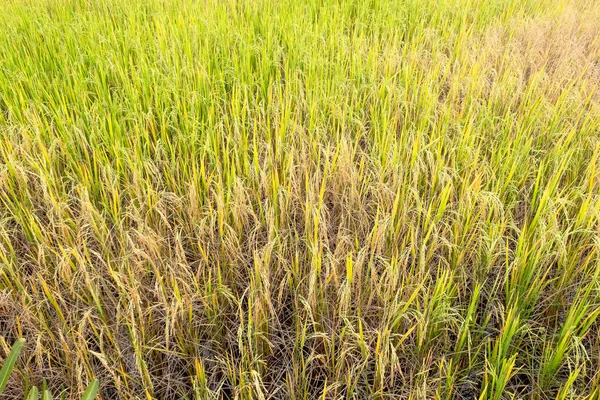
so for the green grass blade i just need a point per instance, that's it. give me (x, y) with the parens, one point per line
(33, 394)
(91, 391)
(9, 363)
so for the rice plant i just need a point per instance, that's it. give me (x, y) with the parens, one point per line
(9, 364)
(300, 199)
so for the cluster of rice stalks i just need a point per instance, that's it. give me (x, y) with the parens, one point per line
(34, 393)
(336, 199)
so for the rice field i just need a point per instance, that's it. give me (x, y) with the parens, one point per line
(301, 199)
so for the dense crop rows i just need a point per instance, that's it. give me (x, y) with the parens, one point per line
(293, 199)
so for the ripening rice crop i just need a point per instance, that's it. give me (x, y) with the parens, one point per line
(301, 199)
